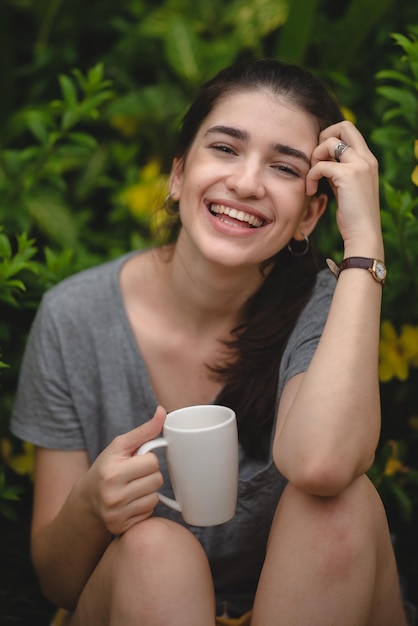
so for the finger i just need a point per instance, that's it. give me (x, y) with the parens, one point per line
(135, 467)
(117, 502)
(347, 133)
(321, 169)
(325, 165)
(327, 151)
(138, 487)
(144, 505)
(136, 512)
(129, 442)
(140, 466)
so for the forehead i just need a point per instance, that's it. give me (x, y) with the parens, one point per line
(258, 103)
(262, 112)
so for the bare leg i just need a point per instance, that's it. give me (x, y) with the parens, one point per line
(329, 562)
(155, 574)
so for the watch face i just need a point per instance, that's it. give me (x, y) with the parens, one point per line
(380, 270)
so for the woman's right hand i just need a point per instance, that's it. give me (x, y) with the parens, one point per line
(121, 486)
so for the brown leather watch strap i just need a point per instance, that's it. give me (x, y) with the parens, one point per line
(356, 261)
(374, 266)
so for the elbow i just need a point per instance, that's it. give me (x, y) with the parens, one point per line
(324, 476)
(323, 479)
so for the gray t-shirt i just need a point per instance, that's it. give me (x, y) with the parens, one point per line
(83, 381)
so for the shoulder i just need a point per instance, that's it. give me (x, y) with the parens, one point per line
(325, 284)
(313, 316)
(307, 332)
(322, 293)
(91, 278)
(86, 290)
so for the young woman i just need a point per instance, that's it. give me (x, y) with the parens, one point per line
(236, 311)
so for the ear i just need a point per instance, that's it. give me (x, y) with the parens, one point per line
(316, 206)
(176, 178)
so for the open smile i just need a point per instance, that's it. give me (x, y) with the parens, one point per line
(232, 216)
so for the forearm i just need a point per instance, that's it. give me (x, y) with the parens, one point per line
(66, 551)
(331, 430)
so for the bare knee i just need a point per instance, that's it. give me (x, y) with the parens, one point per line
(154, 540)
(154, 559)
(333, 555)
(341, 531)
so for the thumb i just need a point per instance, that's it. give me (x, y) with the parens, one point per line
(132, 440)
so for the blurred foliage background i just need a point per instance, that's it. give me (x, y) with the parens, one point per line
(92, 94)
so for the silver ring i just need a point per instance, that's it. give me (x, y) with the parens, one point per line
(339, 149)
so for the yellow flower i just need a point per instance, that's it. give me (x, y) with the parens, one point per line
(348, 114)
(21, 463)
(394, 465)
(392, 361)
(142, 197)
(408, 342)
(414, 175)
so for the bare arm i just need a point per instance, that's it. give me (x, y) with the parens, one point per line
(329, 418)
(77, 508)
(67, 540)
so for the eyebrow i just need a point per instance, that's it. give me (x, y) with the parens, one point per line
(242, 135)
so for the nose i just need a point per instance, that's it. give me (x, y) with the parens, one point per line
(246, 179)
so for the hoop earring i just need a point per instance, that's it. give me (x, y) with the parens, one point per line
(169, 205)
(299, 252)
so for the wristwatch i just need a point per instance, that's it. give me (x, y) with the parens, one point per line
(374, 266)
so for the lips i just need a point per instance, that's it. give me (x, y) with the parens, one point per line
(231, 215)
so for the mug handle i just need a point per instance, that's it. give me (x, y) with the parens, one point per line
(160, 442)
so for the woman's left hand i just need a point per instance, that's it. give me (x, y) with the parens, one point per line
(354, 180)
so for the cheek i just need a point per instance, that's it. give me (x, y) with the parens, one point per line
(196, 182)
(292, 201)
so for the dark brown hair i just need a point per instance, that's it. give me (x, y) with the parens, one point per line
(251, 375)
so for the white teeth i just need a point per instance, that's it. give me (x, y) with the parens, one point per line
(241, 216)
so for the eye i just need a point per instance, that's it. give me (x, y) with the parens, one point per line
(221, 147)
(286, 169)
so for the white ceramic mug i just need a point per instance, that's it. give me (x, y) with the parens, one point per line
(202, 459)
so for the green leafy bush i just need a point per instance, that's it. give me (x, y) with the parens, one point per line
(395, 471)
(84, 155)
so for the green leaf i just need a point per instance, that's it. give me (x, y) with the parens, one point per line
(38, 123)
(68, 91)
(11, 493)
(407, 101)
(70, 117)
(89, 107)
(15, 284)
(5, 247)
(296, 33)
(95, 74)
(53, 217)
(26, 246)
(251, 20)
(182, 49)
(95, 77)
(395, 75)
(83, 139)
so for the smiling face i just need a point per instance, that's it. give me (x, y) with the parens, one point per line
(241, 186)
